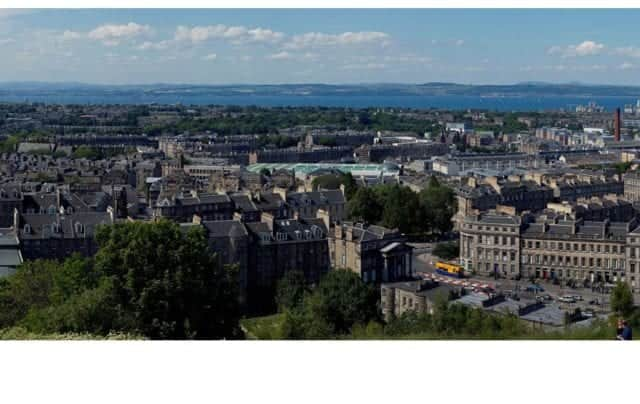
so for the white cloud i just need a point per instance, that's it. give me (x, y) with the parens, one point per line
(112, 34)
(147, 45)
(410, 59)
(6, 41)
(626, 66)
(70, 35)
(628, 51)
(586, 48)
(567, 68)
(364, 66)
(284, 55)
(319, 39)
(449, 42)
(210, 57)
(235, 34)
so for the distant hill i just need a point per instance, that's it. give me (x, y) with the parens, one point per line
(540, 89)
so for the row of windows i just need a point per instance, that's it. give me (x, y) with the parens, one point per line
(497, 255)
(612, 263)
(490, 228)
(566, 246)
(497, 240)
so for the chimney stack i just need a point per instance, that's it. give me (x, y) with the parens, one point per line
(616, 125)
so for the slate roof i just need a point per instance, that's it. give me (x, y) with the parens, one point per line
(225, 228)
(42, 225)
(318, 198)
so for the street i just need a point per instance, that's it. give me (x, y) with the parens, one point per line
(424, 262)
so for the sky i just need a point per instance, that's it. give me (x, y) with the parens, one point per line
(319, 46)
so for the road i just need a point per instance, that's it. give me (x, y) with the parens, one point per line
(423, 262)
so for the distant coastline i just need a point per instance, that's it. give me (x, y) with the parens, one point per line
(516, 97)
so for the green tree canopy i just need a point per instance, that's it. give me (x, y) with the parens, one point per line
(365, 206)
(290, 291)
(622, 299)
(167, 282)
(336, 305)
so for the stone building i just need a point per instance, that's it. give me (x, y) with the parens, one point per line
(182, 206)
(58, 235)
(632, 186)
(375, 253)
(229, 240)
(415, 295)
(11, 198)
(307, 204)
(281, 246)
(550, 246)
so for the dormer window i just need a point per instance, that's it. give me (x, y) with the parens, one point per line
(52, 210)
(79, 228)
(27, 228)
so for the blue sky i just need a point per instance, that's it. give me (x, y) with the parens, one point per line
(320, 46)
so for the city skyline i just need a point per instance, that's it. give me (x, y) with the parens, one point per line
(319, 46)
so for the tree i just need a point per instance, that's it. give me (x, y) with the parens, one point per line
(438, 204)
(364, 206)
(332, 181)
(167, 283)
(290, 291)
(342, 300)
(402, 210)
(447, 251)
(87, 152)
(622, 299)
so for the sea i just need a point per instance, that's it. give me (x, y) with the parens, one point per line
(452, 102)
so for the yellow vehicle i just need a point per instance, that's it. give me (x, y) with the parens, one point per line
(446, 269)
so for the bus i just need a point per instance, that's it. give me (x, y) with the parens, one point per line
(447, 269)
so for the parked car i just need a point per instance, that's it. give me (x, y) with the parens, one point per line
(567, 299)
(594, 302)
(535, 288)
(588, 313)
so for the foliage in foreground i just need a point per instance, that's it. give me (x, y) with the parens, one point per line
(340, 301)
(149, 279)
(448, 321)
(20, 333)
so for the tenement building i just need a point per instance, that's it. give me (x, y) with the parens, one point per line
(551, 246)
(375, 253)
(632, 186)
